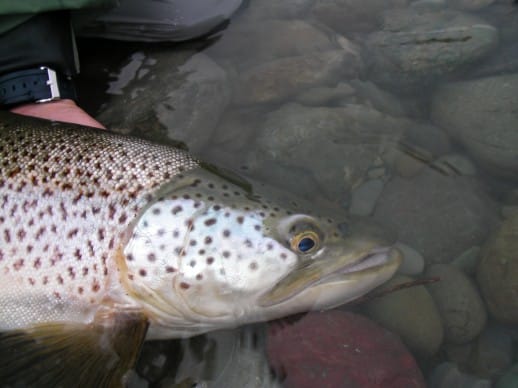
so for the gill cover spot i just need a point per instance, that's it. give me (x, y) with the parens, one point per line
(305, 242)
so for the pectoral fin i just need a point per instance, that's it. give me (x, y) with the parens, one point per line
(72, 355)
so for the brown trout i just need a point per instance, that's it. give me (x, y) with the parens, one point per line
(108, 240)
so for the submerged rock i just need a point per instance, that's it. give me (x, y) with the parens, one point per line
(460, 305)
(345, 16)
(279, 79)
(176, 98)
(482, 115)
(497, 272)
(509, 379)
(447, 375)
(247, 44)
(440, 216)
(277, 9)
(340, 349)
(418, 46)
(492, 353)
(337, 145)
(411, 313)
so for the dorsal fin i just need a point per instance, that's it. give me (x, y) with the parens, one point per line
(72, 355)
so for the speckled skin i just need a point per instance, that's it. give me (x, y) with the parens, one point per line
(67, 198)
(96, 225)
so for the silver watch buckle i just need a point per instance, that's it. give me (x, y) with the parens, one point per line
(52, 82)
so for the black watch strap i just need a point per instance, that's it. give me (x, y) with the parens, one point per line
(39, 84)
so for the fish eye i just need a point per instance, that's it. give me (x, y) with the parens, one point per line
(305, 242)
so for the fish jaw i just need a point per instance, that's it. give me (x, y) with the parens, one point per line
(334, 281)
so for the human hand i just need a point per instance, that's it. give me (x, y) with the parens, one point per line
(60, 110)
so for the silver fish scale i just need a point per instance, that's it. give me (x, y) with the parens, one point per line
(67, 197)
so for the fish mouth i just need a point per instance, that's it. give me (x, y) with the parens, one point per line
(381, 260)
(378, 257)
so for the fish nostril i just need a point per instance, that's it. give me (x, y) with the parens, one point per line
(344, 228)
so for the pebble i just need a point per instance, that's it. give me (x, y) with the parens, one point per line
(364, 197)
(492, 353)
(509, 379)
(467, 261)
(411, 313)
(461, 308)
(497, 272)
(413, 261)
(447, 375)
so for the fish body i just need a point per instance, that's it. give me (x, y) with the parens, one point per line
(102, 233)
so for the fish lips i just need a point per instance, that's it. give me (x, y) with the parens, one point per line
(318, 272)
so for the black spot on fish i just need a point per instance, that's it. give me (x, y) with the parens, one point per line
(210, 221)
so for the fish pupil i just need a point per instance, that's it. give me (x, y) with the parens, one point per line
(306, 244)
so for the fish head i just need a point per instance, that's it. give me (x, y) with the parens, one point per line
(209, 253)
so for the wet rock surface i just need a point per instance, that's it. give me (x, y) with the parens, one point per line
(177, 97)
(481, 114)
(460, 305)
(345, 16)
(419, 326)
(419, 46)
(279, 79)
(340, 349)
(441, 216)
(497, 272)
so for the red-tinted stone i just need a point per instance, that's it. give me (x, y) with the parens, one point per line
(336, 349)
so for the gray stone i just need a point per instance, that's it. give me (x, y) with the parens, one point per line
(413, 261)
(325, 96)
(364, 197)
(457, 165)
(469, 5)
(440, 216)
(509, 211)
(418, 46)
(277, 9)
(247, 44)
(372, 95)
(492, 353)
(282, 78)
(467, 111)
(447, 375)
(345, 16)
(497, 272)
(467, 260)
(178, 98)
(460, 305)
(411, 313)
(337, 145)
